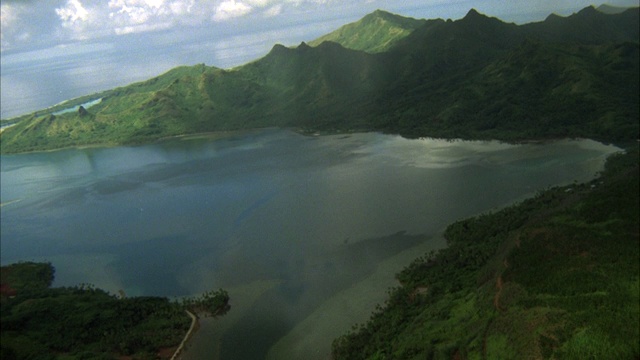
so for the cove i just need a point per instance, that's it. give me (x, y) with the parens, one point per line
(306, 233)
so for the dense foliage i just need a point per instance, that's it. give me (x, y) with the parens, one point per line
(474, 78)
(83, 322)
(556, 276)
(211, 303)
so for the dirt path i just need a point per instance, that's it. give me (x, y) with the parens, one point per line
(496, 298)
(499, 285)
(194, 321)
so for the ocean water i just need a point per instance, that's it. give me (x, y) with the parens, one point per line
(305, 233)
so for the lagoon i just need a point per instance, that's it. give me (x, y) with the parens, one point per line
(304, 232)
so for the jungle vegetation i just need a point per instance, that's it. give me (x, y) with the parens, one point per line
(556, 276)
(85, 322)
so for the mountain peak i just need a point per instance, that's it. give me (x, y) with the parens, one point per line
(278, 49)
(478, 19)
(474, 16)
(375, 32)
(473, 13)
(553, 17)
(588, 11)
(381, 14)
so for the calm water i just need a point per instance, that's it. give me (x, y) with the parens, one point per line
(304, 232)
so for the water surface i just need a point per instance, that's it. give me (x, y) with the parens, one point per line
(304, 232)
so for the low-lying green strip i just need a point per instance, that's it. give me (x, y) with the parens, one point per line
(83, 322)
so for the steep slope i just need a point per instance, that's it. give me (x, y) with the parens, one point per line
(555, 277)
(317, 86)
(374, 33)
(482, 78)
(477, 77)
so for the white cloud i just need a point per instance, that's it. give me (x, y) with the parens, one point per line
(38, 23)
(258, 3)
(128, 16)
(8, 18)
(181, 7)
(229, 9)
(275, 10)
(25, 23)
(78, 21)
(132, 12)
(72, 13)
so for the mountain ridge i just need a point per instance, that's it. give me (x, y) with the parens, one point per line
(444, 79)
(374, 33)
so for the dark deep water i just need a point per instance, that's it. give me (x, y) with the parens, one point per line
(304, 232)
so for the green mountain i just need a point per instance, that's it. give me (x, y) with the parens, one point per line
(374, 33)
(482, 78)
(476, 77)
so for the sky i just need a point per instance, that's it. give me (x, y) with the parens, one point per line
(53, 50)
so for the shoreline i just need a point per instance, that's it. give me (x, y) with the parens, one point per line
(187, 336)
(222, 134)
(213, 135)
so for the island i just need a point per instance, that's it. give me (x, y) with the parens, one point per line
(555, 276)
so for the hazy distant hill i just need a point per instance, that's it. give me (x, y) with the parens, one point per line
(476, 77)
(588, 26)
(610, 9)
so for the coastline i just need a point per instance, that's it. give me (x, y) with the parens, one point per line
(212, 135)
(309, 132)
(192, 328)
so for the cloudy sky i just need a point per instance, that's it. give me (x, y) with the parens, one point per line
(52, 50)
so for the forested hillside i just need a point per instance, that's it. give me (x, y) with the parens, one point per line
(474, 78)
(554, 277)
(84, 322)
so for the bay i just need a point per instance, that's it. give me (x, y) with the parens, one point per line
(305, 233)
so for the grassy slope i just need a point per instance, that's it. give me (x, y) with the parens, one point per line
(374, 33)
(473, 78)
(556, 276)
